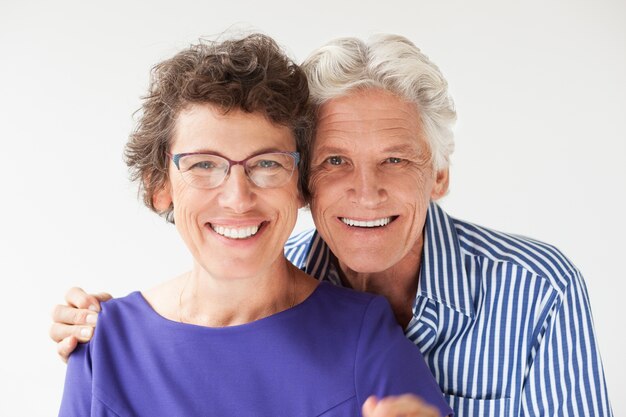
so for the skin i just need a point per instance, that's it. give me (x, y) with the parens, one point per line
(370, 160)
(402, 405)
(233, 281)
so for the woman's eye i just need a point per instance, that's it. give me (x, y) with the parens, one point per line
(335, 160)
(203, 165)
(267, 164)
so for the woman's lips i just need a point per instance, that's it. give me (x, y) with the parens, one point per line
(236, 231)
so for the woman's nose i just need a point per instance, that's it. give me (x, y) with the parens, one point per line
(237, 192)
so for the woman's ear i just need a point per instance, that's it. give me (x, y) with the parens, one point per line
(162, 198)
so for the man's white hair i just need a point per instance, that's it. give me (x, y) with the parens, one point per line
(395, 64)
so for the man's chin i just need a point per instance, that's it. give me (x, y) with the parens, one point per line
(369, 263)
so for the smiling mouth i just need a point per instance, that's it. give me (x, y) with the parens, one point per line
(368, 224)
(236, 232)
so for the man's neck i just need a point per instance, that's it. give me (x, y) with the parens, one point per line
(397, 284)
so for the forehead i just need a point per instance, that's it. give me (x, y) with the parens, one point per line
(204, 127)
(372, 117)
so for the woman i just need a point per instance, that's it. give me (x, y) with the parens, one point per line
(243, 333)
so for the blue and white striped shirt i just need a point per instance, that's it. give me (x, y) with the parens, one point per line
(503, 321)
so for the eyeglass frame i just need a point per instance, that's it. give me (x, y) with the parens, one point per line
(176, 159)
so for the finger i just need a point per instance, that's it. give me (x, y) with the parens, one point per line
(60, 332)
(369, 406)
(103, 296)
(66, 346)
(77, 297)
(69, 315)
(406, 405)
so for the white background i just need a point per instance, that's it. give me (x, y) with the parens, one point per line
(540, 92)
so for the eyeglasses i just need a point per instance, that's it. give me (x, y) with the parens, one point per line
(207, 170)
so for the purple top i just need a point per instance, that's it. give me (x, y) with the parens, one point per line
(323, 357)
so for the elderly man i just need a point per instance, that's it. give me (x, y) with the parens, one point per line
(503, 322)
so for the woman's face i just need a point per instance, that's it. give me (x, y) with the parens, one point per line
(236, 229)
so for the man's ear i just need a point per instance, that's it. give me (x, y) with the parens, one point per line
(162, 198)
(440, 188)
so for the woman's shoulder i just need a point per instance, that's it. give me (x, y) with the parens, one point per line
(120, 318)
(343, 304)
(131, 304)
(347, 295)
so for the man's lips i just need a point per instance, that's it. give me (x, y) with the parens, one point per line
(369, 223)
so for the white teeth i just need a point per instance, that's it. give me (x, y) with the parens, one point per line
(236, 232)
(369, 223)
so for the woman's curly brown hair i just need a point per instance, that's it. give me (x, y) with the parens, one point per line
(250, 74)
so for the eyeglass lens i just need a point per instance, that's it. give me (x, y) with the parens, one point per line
(209, 171)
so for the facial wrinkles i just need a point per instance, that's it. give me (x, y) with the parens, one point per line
(182, 194)
(413, 164)
(366, 128)
(414, 181)
(203, 136)
(354, 130)
(375, 142)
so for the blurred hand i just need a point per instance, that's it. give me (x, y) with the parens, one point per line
(75, 322)
(407, 405)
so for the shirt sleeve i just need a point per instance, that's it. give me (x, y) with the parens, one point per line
(387, 363)
(77, 393)
(566, 377)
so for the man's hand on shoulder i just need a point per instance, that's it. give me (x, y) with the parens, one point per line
(75, 322)
(407, 405)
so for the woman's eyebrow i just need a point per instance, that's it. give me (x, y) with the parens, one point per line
(257, 152)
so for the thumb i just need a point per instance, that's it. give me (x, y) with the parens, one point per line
(369, 406)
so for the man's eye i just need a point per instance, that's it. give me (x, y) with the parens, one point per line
(335, 160)
(393, 160)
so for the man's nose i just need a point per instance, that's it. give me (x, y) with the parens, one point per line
(368, 187)
(237, 192)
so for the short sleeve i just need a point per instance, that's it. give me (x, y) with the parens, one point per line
(387, 363)
(77, 393)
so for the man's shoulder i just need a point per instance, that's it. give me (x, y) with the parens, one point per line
(537, 257)
(297, 247)
(299, 239)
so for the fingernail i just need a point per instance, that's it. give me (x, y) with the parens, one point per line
(91, 318)
(86, 331)
(94, 308)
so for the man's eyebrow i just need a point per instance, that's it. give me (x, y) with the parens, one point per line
(402, 149)
(331, 150)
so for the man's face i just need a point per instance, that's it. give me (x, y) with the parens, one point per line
(371, 180)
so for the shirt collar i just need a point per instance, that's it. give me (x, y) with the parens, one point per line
(442, 274)
(443, 277)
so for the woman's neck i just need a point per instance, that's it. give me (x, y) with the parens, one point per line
(198, 298)
(219, 302)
